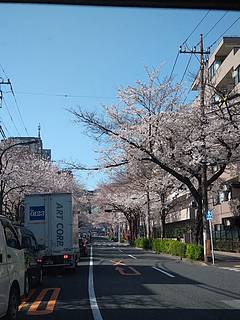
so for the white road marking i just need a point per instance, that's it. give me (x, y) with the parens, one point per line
(132, 256)
(166, 273)
(231, 269)
(235, 304)
(92, 297)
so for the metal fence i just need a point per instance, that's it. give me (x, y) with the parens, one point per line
(227, 240)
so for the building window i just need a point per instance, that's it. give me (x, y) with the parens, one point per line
(213, 68)
(216, 199)
(237, 75)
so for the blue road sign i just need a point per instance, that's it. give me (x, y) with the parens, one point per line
(209, 215)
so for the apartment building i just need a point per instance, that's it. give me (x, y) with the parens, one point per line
(224, 75)
(223, 72)
(34, 145)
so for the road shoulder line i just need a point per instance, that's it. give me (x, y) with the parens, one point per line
(92, 297)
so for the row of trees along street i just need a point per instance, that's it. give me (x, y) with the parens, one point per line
(156, 146)
(23, 171)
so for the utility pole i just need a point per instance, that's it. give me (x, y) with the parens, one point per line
(206, 232)
(2, 82)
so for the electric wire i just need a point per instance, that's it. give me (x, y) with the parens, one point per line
(185, 71)
(5, 103)
(5, 127)
(20, 115)
(2, 132)
(196, 27)
(174, 65)
(3, 71)
(62, 95)
(215, 25)
(224, 32)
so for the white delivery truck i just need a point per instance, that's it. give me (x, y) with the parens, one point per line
(50, 217)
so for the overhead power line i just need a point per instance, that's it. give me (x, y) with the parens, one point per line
(5, 103)
(5, 127)
(224, 32)
(185, 43)
(3, 71)
(64, 95)
(185, 71)
(20, 115)
(174, 65)
(196, 27)
(2, 132)
(215, 25)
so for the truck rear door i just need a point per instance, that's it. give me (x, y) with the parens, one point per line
(61, 223)
(37, 218)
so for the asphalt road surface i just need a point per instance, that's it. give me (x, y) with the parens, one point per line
(120, 282)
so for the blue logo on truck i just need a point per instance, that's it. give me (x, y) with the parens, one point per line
(37, 213)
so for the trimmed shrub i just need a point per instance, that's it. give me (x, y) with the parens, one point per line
(194, 252)
(177, 248)
(173, 247)
(143, 243)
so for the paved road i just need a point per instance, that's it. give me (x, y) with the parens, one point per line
(127, 283)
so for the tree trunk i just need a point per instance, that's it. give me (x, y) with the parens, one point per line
(163, 223)
(199, 225)
(148, 220)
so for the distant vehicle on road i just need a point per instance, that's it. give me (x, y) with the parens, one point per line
(83, 245)
(33, 266)
(12, 270)
(50, 217)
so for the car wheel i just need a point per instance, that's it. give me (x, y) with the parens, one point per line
(26, 284)
(13, 304)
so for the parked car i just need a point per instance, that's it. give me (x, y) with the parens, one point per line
(33, 265)
(12, 270)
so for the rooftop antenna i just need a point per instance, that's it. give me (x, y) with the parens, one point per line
(39, 131)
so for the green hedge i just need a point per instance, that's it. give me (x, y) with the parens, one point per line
(194, 252)
(173, 247)
(143, 243)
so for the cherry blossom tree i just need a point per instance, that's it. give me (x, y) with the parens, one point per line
(23, 172)
(151, 126)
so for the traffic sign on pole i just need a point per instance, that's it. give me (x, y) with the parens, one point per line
(209, 215)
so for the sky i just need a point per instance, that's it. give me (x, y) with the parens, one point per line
(61, 57)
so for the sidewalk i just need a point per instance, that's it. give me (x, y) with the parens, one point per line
(227, 254)
(227, 259)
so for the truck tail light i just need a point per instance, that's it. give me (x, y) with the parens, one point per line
(66, 257)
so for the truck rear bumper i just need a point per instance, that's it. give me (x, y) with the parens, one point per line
(59, 261)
